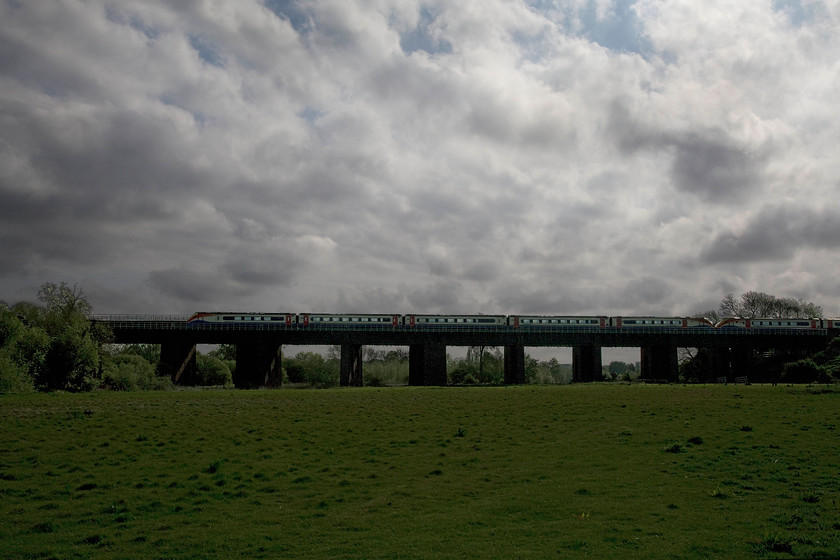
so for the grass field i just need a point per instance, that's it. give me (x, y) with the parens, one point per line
(519, 472)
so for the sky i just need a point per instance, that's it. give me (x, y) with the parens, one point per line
(607, 157)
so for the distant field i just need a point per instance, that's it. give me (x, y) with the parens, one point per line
(591, 471)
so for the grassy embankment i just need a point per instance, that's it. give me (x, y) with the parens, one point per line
(519, 472)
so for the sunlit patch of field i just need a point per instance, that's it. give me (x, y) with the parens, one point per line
(528, 472)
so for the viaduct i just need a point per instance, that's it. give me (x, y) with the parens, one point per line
(258, 348)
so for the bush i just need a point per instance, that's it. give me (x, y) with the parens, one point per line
(801, 371)
(322, 377)
(295, 372)
(212, 371)
(13, 376)
(130, 372)
(462, 374)
(312, 368)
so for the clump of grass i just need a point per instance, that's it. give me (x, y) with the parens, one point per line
(696, 440)
(44, 528)
(774, 543)
(719, 494)
(746, 428)
(80, 415)
(460, 433)
(92, 539)
(673, 447)
(213, 467)
(810, 498)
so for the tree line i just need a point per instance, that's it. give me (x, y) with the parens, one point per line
(53, 345)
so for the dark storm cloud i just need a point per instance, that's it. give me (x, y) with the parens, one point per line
(562, 297)
(444, 296)
(79, 182)
(192, 285)
(102, 164)
(265, 267)
(713, 167)
(649, 293)
(708, 163)
(774, 234)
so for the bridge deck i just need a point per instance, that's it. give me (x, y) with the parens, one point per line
(131, 328)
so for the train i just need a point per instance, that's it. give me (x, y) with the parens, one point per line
(491, 322)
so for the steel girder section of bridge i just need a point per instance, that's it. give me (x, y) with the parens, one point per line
(155, 333)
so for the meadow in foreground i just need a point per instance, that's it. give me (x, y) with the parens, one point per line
(516, 472)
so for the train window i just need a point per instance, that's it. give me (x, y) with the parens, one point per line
(228, 318)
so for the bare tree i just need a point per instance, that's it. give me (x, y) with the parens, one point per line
(760, 304)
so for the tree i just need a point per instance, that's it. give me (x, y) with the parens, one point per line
(617, 369)
(64, 299)
(487, 363)
(72, 362)
(760, 304)
(23, 351)
(531, 368)
(59, 346)
(225, 352)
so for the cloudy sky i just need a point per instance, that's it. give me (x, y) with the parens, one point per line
(494, 156)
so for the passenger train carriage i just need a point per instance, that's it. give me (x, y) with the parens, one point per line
(243, 319)
(660, 322)
(544, 322)
(454, 321)
(356, 321)
(766, 323)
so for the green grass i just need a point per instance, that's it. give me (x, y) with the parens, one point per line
(518, 472)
